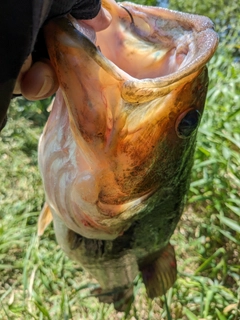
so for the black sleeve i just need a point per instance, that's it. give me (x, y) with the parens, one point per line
(86, 9)
(80, 9)
(20, 22)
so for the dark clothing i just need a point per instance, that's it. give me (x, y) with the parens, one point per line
(20, 22)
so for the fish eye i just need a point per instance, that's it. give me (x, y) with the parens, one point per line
(187, 123)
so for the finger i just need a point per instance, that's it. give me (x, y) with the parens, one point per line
(39, 82)
(101, 21)
(25, 67)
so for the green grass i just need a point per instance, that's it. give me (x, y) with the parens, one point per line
(37, 281)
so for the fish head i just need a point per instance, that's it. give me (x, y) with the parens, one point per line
(122, 130)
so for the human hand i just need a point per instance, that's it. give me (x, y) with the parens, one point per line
(38, 81)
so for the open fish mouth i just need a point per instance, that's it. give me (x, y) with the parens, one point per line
(151, 42)
(124, 122)
(155, 45)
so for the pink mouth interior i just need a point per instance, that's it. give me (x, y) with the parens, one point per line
(138, 54)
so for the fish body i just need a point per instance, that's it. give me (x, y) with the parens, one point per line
(117, 151)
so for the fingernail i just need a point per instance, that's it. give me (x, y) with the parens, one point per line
(107, 14)
(47, 86)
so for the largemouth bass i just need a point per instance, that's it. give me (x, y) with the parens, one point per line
(117, 151)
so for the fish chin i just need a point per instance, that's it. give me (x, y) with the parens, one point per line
(111, 148)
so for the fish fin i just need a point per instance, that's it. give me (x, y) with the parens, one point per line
(160, 275)
(44, 219)
(49, 108)
(122, 298)
(74, 239)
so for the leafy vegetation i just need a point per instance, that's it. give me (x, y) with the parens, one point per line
(37, 281)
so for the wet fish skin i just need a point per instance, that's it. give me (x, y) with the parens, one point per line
(117, 151)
